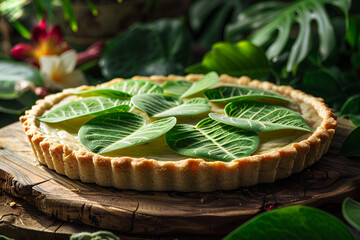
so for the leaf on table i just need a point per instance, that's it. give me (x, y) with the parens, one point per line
(242, 58)
(212, 140)
(84, 107)
(135, 87)
(159, 105)
(351, 212)
(185, 89)
(259, 117)
(294, 222)
(113, 131)
(235, 93)
(274, 21)
(350, 146)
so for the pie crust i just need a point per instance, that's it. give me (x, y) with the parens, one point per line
(191, 174)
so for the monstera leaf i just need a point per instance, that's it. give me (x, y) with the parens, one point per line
(258, 116)
(91, 106)
(208, 18)
(158, 105)
(113, 131)
(279, 19)
(242, 58)
(158, 48)
(212, 140)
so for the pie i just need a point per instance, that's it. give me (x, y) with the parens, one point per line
(153, 166)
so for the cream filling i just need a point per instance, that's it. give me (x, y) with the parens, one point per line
(66, 133)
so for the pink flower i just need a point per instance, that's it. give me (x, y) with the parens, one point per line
(44, 43)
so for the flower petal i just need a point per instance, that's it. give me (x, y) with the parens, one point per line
(39, 32)
(21, 51)
(49, 65)
(56, 34)
(73, 79)
(68, 61)
(93, 52)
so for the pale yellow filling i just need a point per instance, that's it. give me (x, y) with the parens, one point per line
(66, 133)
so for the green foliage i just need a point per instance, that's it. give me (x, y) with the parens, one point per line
(277, 18)
(350, 147)
(208, 18)
(259, 117)
(17, 83)
(239, 59)
(213, 140)
(351, 212)
(113, 131)
(351, 109)
(134, 87)
(158, 48)
(295, 222)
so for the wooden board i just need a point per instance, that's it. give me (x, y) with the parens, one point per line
(323, 185)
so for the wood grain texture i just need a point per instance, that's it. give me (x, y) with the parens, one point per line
(326, 183)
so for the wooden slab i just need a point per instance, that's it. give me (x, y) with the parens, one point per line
(325, 184)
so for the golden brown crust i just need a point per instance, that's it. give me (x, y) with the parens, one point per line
(185, 175)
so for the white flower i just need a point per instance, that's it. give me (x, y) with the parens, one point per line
(59, 73)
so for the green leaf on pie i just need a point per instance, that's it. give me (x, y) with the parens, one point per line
(135, 87)
(295, 222)
(159, 105)
(176, 87)
(85, 107)
(258, 116)
(106, 92)
(350, 147)
(212, 140)
(185, 89)
(351, 212)
(113, 131)
(235, 93)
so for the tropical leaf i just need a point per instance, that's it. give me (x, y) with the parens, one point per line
(295, 222)
(162, 47)
(242, 58)
(351, 109)
(212, 140)
(351, 212)
(278, 18)
(158, 105)
(350, 146)
(112, 131)
(84, 107)
(135, 87)
(259, 117)
(106, 92)
(208, 18)
(183, 90)
(235, 93)
(15, 71)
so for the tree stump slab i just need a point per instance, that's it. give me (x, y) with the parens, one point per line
(322, 185)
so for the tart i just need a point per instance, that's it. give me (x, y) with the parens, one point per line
(153, 166)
